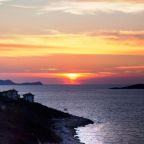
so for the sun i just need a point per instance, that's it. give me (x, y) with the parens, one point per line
(73, 78)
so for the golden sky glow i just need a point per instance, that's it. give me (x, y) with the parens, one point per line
(124, 43)
(72, 41)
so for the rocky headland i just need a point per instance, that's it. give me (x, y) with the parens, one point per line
(23, 122)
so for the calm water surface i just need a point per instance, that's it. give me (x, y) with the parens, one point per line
(118, 115)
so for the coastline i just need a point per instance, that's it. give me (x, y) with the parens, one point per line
(65, 128)
(32, 123)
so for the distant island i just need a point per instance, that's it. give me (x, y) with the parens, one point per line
(136, 86)
(10, 82)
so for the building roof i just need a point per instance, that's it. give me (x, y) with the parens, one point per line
(28, 94)
(12, 90)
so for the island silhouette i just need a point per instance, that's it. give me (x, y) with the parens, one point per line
(135, 86)
(10, 82)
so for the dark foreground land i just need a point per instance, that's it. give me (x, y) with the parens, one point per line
(32, 123)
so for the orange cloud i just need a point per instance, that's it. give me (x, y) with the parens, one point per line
(133, 38)
(130, 67)
(119, 35)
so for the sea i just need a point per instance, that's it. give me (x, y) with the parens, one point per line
(118, 114)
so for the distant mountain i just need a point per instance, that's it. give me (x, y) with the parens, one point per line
(136, 86)
(9, 82)
(6, 82)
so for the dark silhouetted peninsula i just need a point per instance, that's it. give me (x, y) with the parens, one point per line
(9, 82)
(136, 86)
(31, 83)
(22, 122)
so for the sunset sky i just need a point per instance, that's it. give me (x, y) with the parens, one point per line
(72, 41)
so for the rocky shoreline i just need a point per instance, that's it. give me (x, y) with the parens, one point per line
(22, 122)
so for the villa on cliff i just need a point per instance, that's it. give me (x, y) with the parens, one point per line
(13, 94)
(28, 97)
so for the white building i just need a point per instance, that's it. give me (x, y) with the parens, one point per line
(28, 97)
